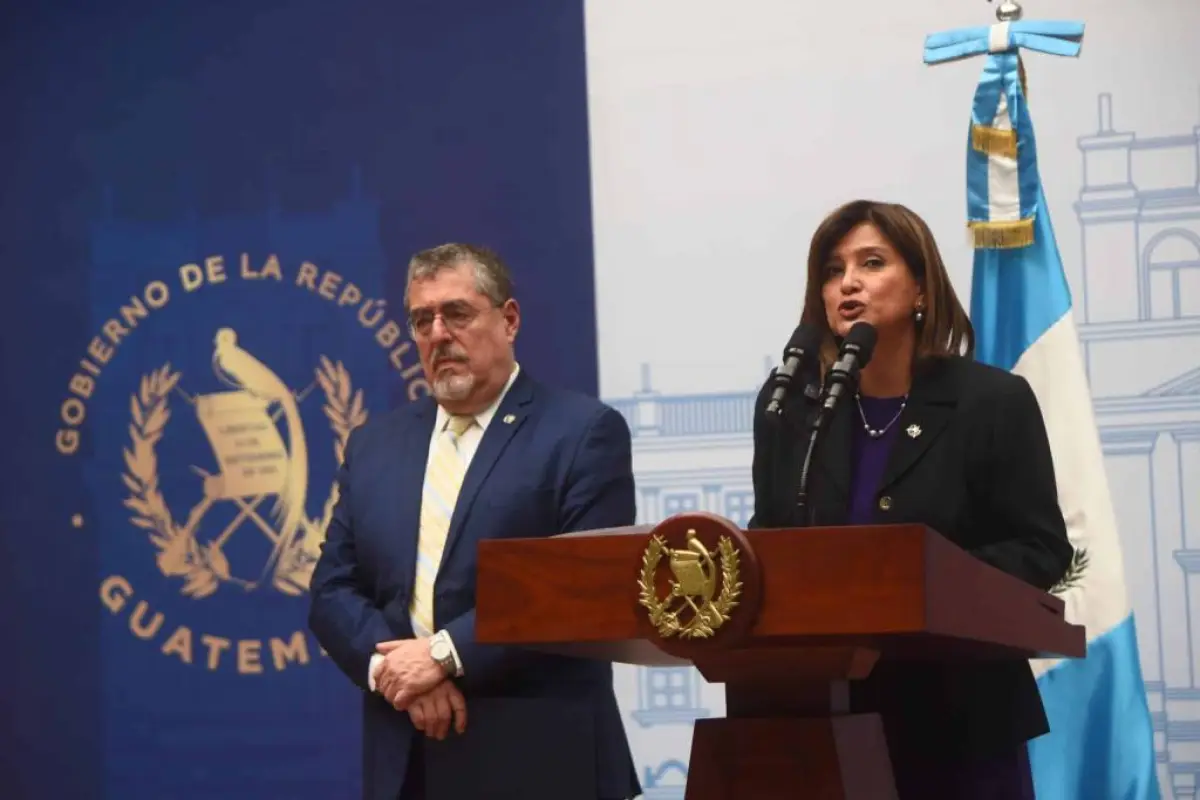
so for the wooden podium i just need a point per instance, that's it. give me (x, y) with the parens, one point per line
(785, 618)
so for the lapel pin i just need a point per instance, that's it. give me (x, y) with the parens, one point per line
(913, 431)
(509, 419)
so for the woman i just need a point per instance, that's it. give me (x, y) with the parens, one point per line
(975, 466)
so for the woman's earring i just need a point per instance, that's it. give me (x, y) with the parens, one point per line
(920, 315)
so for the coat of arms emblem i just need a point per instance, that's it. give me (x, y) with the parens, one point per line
(693, 608)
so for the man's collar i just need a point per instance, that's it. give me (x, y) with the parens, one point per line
(483, 418)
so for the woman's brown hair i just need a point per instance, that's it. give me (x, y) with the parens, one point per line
(946, 329)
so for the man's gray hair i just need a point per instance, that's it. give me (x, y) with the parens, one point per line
(492, 278)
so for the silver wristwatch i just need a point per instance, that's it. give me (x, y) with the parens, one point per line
(439, 649)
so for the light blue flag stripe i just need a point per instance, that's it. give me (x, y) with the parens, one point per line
(1101, 740)
(1101, 745)
(1017, 294)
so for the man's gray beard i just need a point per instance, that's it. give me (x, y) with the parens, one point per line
(453, 387)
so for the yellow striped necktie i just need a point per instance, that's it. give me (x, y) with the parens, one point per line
(443, 479)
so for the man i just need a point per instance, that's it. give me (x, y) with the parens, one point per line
(492, 454)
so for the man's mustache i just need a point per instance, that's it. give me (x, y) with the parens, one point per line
(448, 354)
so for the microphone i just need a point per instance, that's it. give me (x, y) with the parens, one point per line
(854, 354)
(801, 347)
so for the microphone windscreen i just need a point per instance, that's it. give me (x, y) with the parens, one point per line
(805, 338)
(862, 335)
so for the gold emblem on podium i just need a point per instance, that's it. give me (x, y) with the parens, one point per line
(692, 609)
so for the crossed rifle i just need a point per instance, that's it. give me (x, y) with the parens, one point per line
(247, 510)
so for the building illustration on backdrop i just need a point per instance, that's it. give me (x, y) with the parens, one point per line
(1138, 311)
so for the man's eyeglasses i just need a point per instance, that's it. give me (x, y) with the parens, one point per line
(456, 315)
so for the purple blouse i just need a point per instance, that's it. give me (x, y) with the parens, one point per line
(869, 456)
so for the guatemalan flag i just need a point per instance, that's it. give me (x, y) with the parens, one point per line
(1101, 743)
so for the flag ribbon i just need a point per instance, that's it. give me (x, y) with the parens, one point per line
(1003, 185)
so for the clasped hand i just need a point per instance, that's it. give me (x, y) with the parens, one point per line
(410, 680)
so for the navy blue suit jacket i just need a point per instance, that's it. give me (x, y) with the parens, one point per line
(561, 463)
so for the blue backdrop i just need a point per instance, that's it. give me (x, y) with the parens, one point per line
(172, 171)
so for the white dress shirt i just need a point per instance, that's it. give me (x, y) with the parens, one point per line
(468, 443)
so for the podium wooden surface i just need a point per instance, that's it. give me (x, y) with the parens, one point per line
(817, 608)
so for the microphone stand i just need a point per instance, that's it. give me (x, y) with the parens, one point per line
(853, 354)
(839, 382)
(818, 425)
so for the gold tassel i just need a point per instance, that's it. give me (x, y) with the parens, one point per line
(994, 141)
(1002, 235)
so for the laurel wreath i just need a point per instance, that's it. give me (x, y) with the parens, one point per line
(1075, 572)
(204, 567)
(345, 410)
(711, 616)
(179, 554)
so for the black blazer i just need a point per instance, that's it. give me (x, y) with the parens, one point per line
(980, 473)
